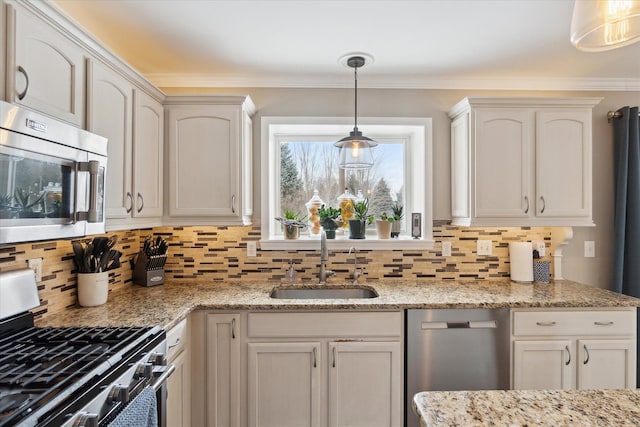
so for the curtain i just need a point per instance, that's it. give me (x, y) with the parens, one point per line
(626, 268)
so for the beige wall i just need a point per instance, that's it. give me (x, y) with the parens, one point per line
(435, 103)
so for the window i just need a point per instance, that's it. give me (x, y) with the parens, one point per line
(298, 157)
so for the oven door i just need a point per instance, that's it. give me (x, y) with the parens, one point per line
(48, 190)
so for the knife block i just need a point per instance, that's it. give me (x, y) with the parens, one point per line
(149, 270)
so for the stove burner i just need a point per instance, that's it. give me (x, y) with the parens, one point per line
(11, 402)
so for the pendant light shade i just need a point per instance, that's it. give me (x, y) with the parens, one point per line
(599, 25)
(355, 149)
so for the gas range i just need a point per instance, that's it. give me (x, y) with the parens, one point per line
(76, 376)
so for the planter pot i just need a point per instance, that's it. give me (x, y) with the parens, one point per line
(291, 232)
(357, 229)
(383, 227)
(93, 288)
(395, 229)
(331, 234)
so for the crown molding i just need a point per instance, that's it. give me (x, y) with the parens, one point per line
(166, 80)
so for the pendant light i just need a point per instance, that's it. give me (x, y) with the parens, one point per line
(355, 149)
(599, 25)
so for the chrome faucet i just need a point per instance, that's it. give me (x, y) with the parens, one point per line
(356, 273)
(324, 257)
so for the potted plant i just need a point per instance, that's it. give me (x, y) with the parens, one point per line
(383, 226)
(25, 205)
(93, 260)
(398, 213)
(292, 223)
(329, 220)
(358, 224)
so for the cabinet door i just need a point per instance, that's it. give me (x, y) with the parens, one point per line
(204, 161)
(543, 364)
(47, 72)
(110, 115)
(606, 364)
(563, 164)
(223, 370)
(178, 392)
(284, 384)
(148, 148)
(503, 163)
(365, 384)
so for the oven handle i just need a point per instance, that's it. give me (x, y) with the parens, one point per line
(165, 372)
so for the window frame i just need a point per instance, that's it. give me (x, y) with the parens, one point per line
(418, 163)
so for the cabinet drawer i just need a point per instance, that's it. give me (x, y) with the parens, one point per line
(176, 339)
(307, 325)
(597, 322)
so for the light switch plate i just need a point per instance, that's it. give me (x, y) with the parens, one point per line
(446, 248)
(540, 247)
(251, 249)
(484, 247)
(36, 265)
(589, 249)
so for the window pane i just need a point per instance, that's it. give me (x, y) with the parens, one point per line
(306, 166)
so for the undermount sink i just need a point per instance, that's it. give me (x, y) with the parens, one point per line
(323, 292)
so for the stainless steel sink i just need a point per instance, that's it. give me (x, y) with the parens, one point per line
(323, 292)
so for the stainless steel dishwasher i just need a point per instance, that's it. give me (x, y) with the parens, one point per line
(456, 349)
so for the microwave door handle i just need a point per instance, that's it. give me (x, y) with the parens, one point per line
(93, 167)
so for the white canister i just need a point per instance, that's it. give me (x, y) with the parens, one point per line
(93, 288)
(521, 261)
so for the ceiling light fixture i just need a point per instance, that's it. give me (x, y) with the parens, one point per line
(355, 149)
(599, 25)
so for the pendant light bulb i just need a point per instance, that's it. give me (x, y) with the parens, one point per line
(600, 25)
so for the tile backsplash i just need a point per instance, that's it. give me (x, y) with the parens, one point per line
(216, 254)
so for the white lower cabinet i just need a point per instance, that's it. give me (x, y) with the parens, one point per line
(179, 383)
(574, 349)
(324, 369)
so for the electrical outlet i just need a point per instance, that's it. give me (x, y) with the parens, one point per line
(589, 249)
(446, 248)
(540, 247)
(251, 249)
(36, 265)
(484, 247)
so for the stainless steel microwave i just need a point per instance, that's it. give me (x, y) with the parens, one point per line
(52, 178)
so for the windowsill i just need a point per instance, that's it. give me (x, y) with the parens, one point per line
(344, 243)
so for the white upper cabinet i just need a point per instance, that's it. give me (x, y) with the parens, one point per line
(45, 68)
(521, 161)
(209, 159)
(133, 122)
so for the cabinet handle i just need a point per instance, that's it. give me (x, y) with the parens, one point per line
(566, 347)
(546, 323)
(233, 328)
(544, 204)
(526, 199)
(174, 345)
(130, 199)
(603, 323)
(233, 204)
(334, 357)
(22, 94)
(314, 358)
(141, 202)
(587, 352)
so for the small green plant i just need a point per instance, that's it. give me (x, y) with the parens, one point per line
(385, 217)
(361, 209)
(328, 217)
(398, 211)
(5, 201)
(23, 199)
(292, 219)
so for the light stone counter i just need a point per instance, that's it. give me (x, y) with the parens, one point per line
(528, 408)
(167, 304)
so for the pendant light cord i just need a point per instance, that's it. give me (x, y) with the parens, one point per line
(355, 76)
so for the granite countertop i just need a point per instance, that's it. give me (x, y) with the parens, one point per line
(528, 408)
(167, 304)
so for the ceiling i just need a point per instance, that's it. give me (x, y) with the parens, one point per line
(464, 44)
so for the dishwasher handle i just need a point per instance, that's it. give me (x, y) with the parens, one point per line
(467, 324)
